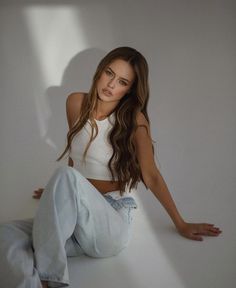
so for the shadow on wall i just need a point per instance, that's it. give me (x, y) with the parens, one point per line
(77, 77)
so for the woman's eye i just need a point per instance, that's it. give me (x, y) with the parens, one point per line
(108, 72)
(123, 83)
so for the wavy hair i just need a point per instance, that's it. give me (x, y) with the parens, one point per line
(123, 162)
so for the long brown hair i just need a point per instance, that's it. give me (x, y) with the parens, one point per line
(123, 163)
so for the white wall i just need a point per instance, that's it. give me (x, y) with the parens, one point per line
(51, 48)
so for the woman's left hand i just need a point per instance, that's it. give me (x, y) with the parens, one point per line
(195, 231)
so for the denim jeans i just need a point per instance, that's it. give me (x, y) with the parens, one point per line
(72, 218)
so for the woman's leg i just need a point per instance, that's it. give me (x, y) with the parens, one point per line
(17, 269)
(54, 223)
(17, 265)
(71, 206)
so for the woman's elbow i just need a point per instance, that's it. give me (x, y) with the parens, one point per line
(150, 180)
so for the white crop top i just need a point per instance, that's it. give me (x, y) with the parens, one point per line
(99, 153)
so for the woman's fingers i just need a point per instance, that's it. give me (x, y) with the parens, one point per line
(195, 231)
(38, 193)
(209, 229)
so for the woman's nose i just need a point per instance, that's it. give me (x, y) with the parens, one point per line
(111, 83)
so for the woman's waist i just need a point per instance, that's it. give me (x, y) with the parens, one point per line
(105, 186)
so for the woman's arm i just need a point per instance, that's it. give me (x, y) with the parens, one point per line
(73, 105)
(155, 182)
(161, 192)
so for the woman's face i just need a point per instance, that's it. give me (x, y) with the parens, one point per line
(115, 81)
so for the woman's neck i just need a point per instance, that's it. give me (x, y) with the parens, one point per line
(103, 109)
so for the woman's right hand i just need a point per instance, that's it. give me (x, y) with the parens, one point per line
(38, 193)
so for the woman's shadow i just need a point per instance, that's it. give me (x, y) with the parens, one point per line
(77, 77)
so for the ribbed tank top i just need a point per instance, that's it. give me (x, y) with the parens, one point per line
(98, 154)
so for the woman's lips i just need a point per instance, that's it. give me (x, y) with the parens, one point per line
(106, 92)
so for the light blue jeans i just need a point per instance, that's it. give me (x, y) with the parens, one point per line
(73, 218)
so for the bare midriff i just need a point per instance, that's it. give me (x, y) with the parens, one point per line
(104, 186)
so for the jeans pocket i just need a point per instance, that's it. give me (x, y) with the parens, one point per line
(123, 205)
(126, 202)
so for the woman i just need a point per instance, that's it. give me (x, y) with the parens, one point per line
(87, 207)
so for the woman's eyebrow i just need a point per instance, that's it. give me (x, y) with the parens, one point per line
(115, 74)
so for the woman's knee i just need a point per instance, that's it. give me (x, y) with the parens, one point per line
(64, 170)
(67, 170)
(64, 180)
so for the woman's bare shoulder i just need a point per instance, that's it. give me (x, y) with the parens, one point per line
(73, 106)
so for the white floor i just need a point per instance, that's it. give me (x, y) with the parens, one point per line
(159, 257)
